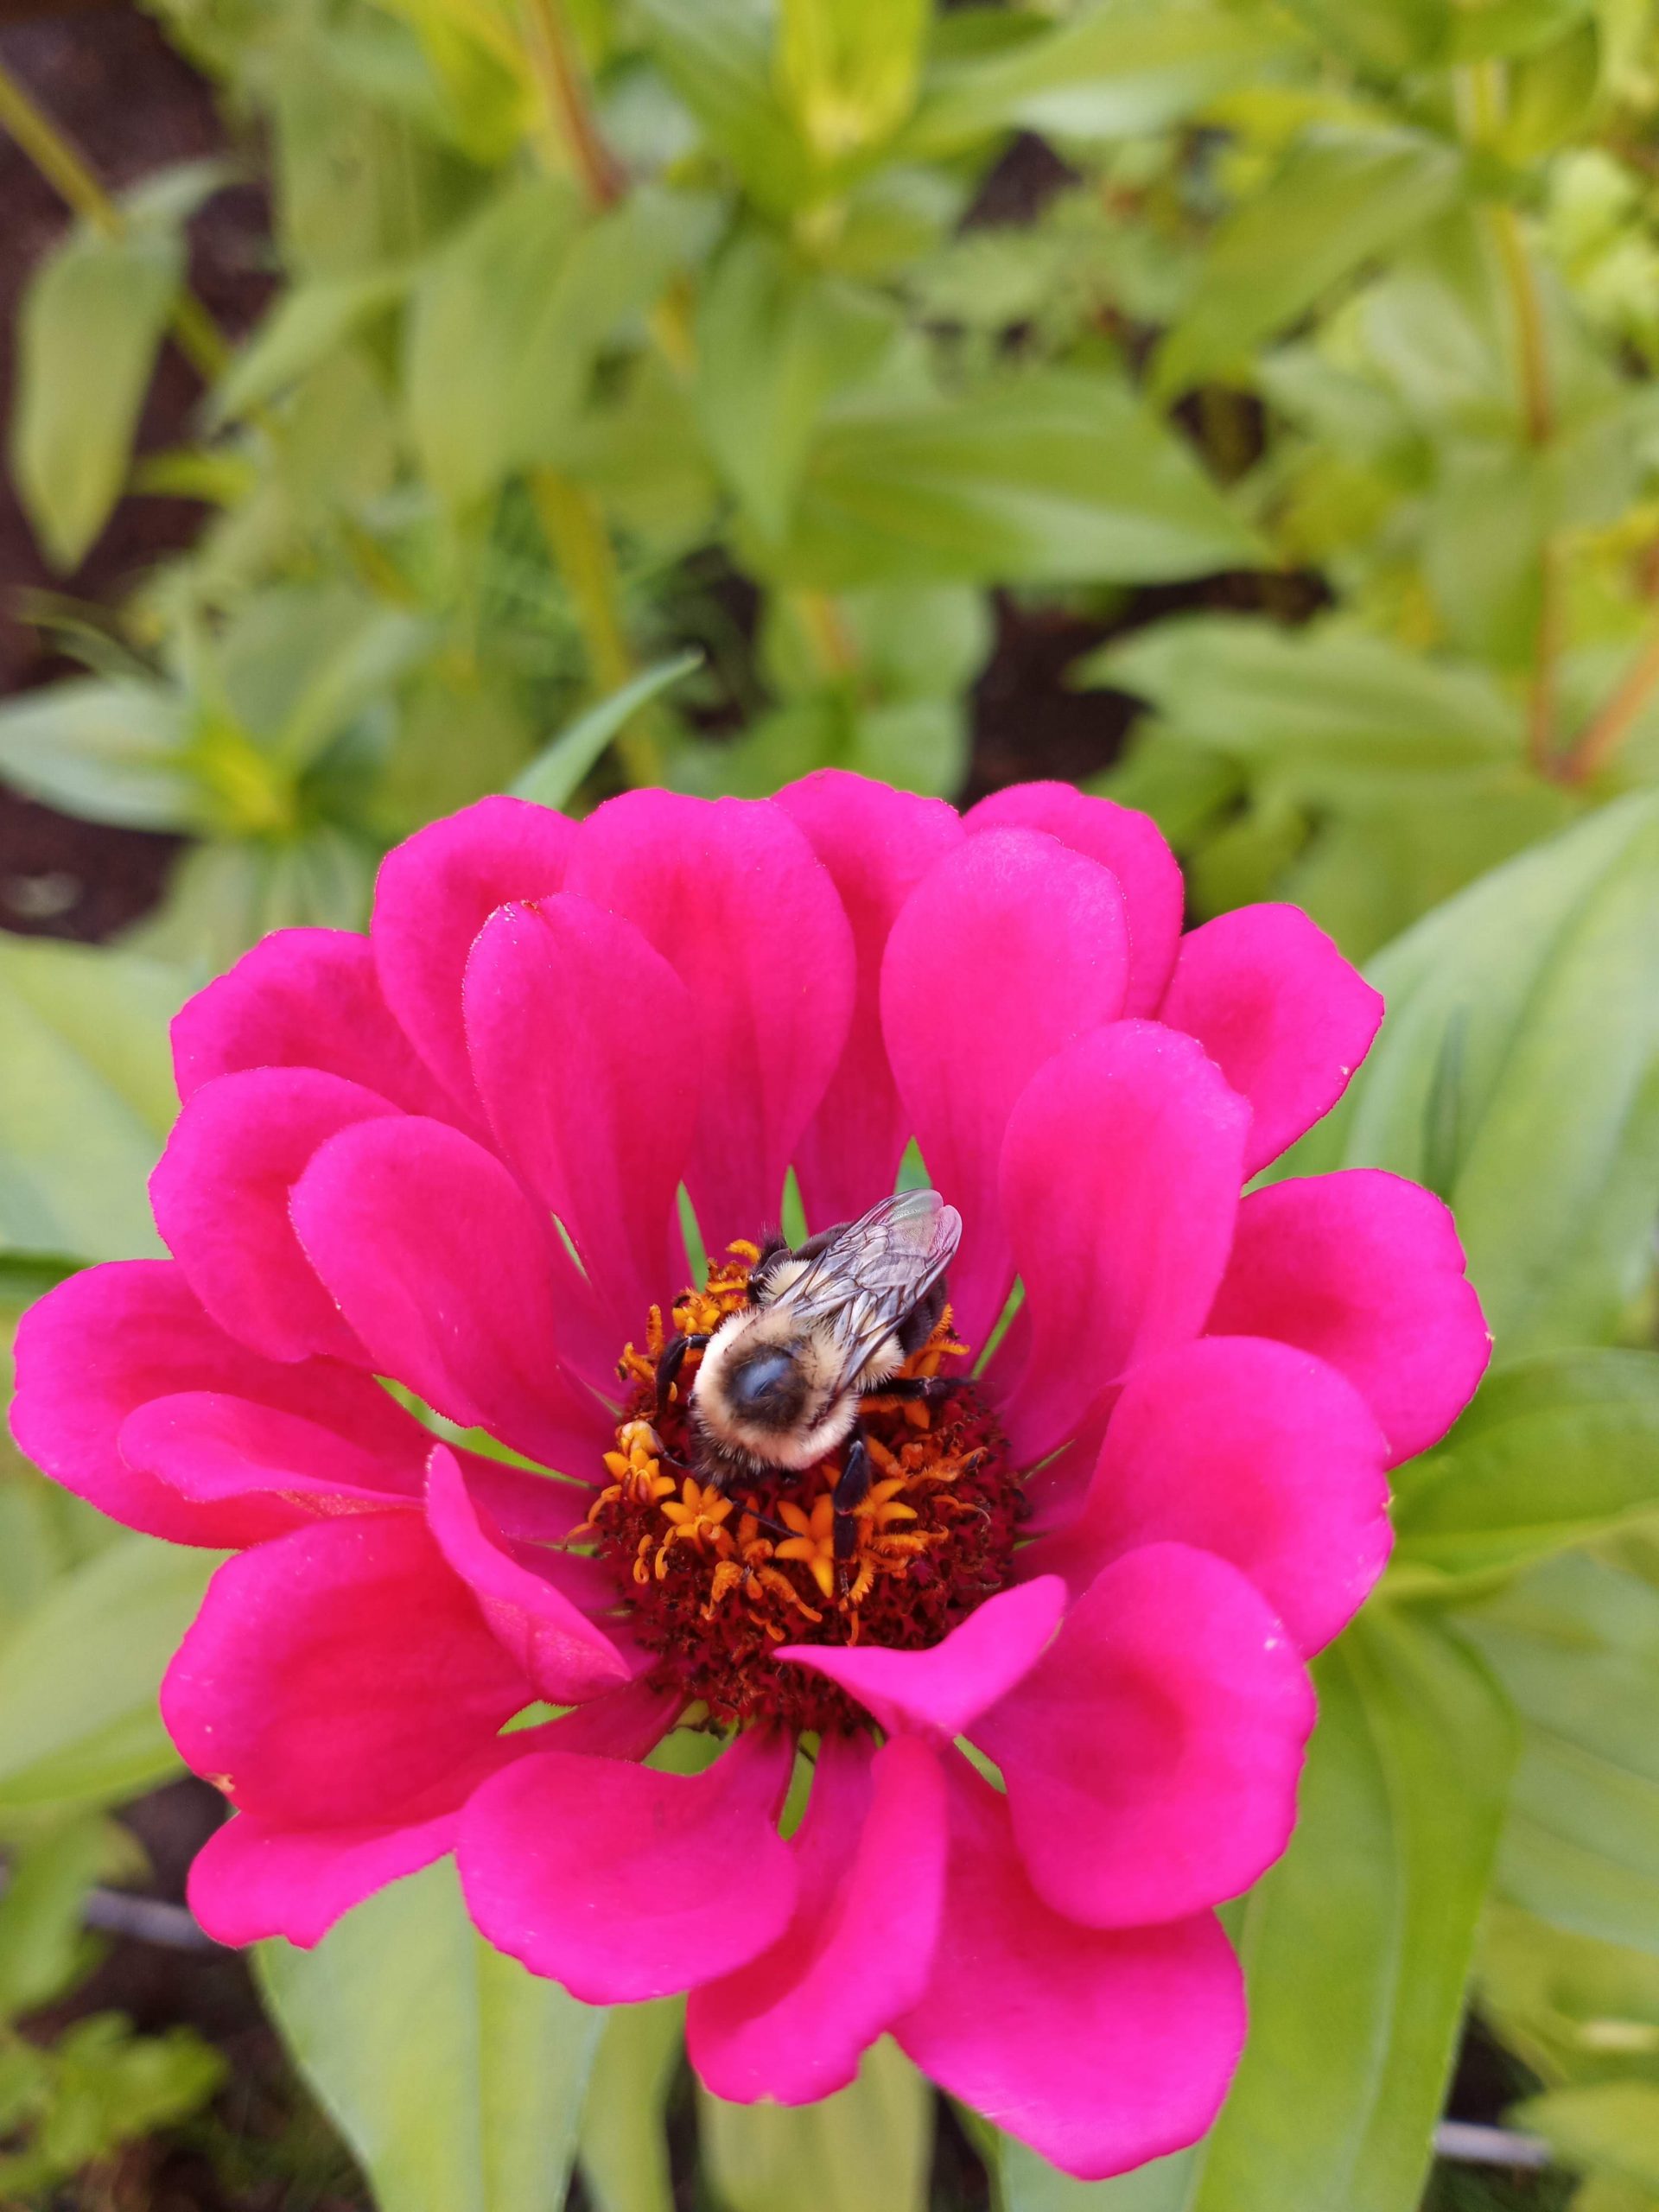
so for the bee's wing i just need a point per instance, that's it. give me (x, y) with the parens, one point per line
(864, 1283)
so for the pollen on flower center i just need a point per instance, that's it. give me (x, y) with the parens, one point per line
(717, 1576)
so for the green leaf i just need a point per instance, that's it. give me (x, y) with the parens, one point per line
(505, 326)
(106, 751)
(1357, 1944)
(1573, 2008)
(1031, 2184)
(623, 2150)
(1506, 28)
(1576, 1646)
(555, 773)
(1389, 35)
(226, 893)
(1332, 714)
(869, 2145)
(85, 1097)
(919, 641)
(103, 2085)
(1356, 1948)
(848, 68)
(1610, 2193)
(904, 641)
(360, 671)
(1111, 72)
(1493, 512)
(1378, 867)
(718, 56)
(1340, 200)
(1610, 2125)
(487, 364)
(456, 2077)
(1555, 1450)
(1441, 327)
(78, 1677)
(462, 731)
(1544, 980)
(91, 322)
(306, 324)
(775, 342)
(920, 744)
(1550, 95)
(42, 1944)
(1052, 477)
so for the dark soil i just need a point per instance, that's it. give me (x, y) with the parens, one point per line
(110, 80)
(107, 78)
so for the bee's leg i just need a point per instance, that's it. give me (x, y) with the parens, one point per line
(669, 1365)
(773, 1246)
(851, 1491)
(926, 1388)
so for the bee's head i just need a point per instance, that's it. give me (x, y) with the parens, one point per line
(766, 1385)
(766, 1390)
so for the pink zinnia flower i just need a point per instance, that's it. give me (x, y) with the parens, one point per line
(448, 1155)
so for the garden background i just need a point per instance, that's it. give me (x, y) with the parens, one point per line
(1243, 407)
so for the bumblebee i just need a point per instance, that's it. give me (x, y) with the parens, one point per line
(827, 1325)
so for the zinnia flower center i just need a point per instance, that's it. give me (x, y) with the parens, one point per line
(717, 1577)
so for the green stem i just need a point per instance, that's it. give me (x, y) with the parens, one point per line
(1480, 91)
(57, 157)
(1537, 400)
(581, 546)
(825, 627)
(1607, 729)
(557, 63)
(66, 168)
(1547, 645)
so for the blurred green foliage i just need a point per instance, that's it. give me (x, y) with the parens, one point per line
(662, 389)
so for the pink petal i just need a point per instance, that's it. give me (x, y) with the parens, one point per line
(104, 1342)
(877, 844)
(1279, 1010)
(1006, 951)
(1251, 1450)
(621, 1724)
(527, 1507)
(623, 1883)
(1152, 1755)
(211, 1446)
(253, 1880)
(568, 1658)
(220, 1196)
(303, 998)
(437, 1260)
(1363, 1269)
(793, 2023)
(341, 1675)
(584, 1045)
(1055, 1490)
(730, 894)
(434, 894)
(1131, 845)
(1099, 2048)
(1120, 1186)
(940, 1690)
